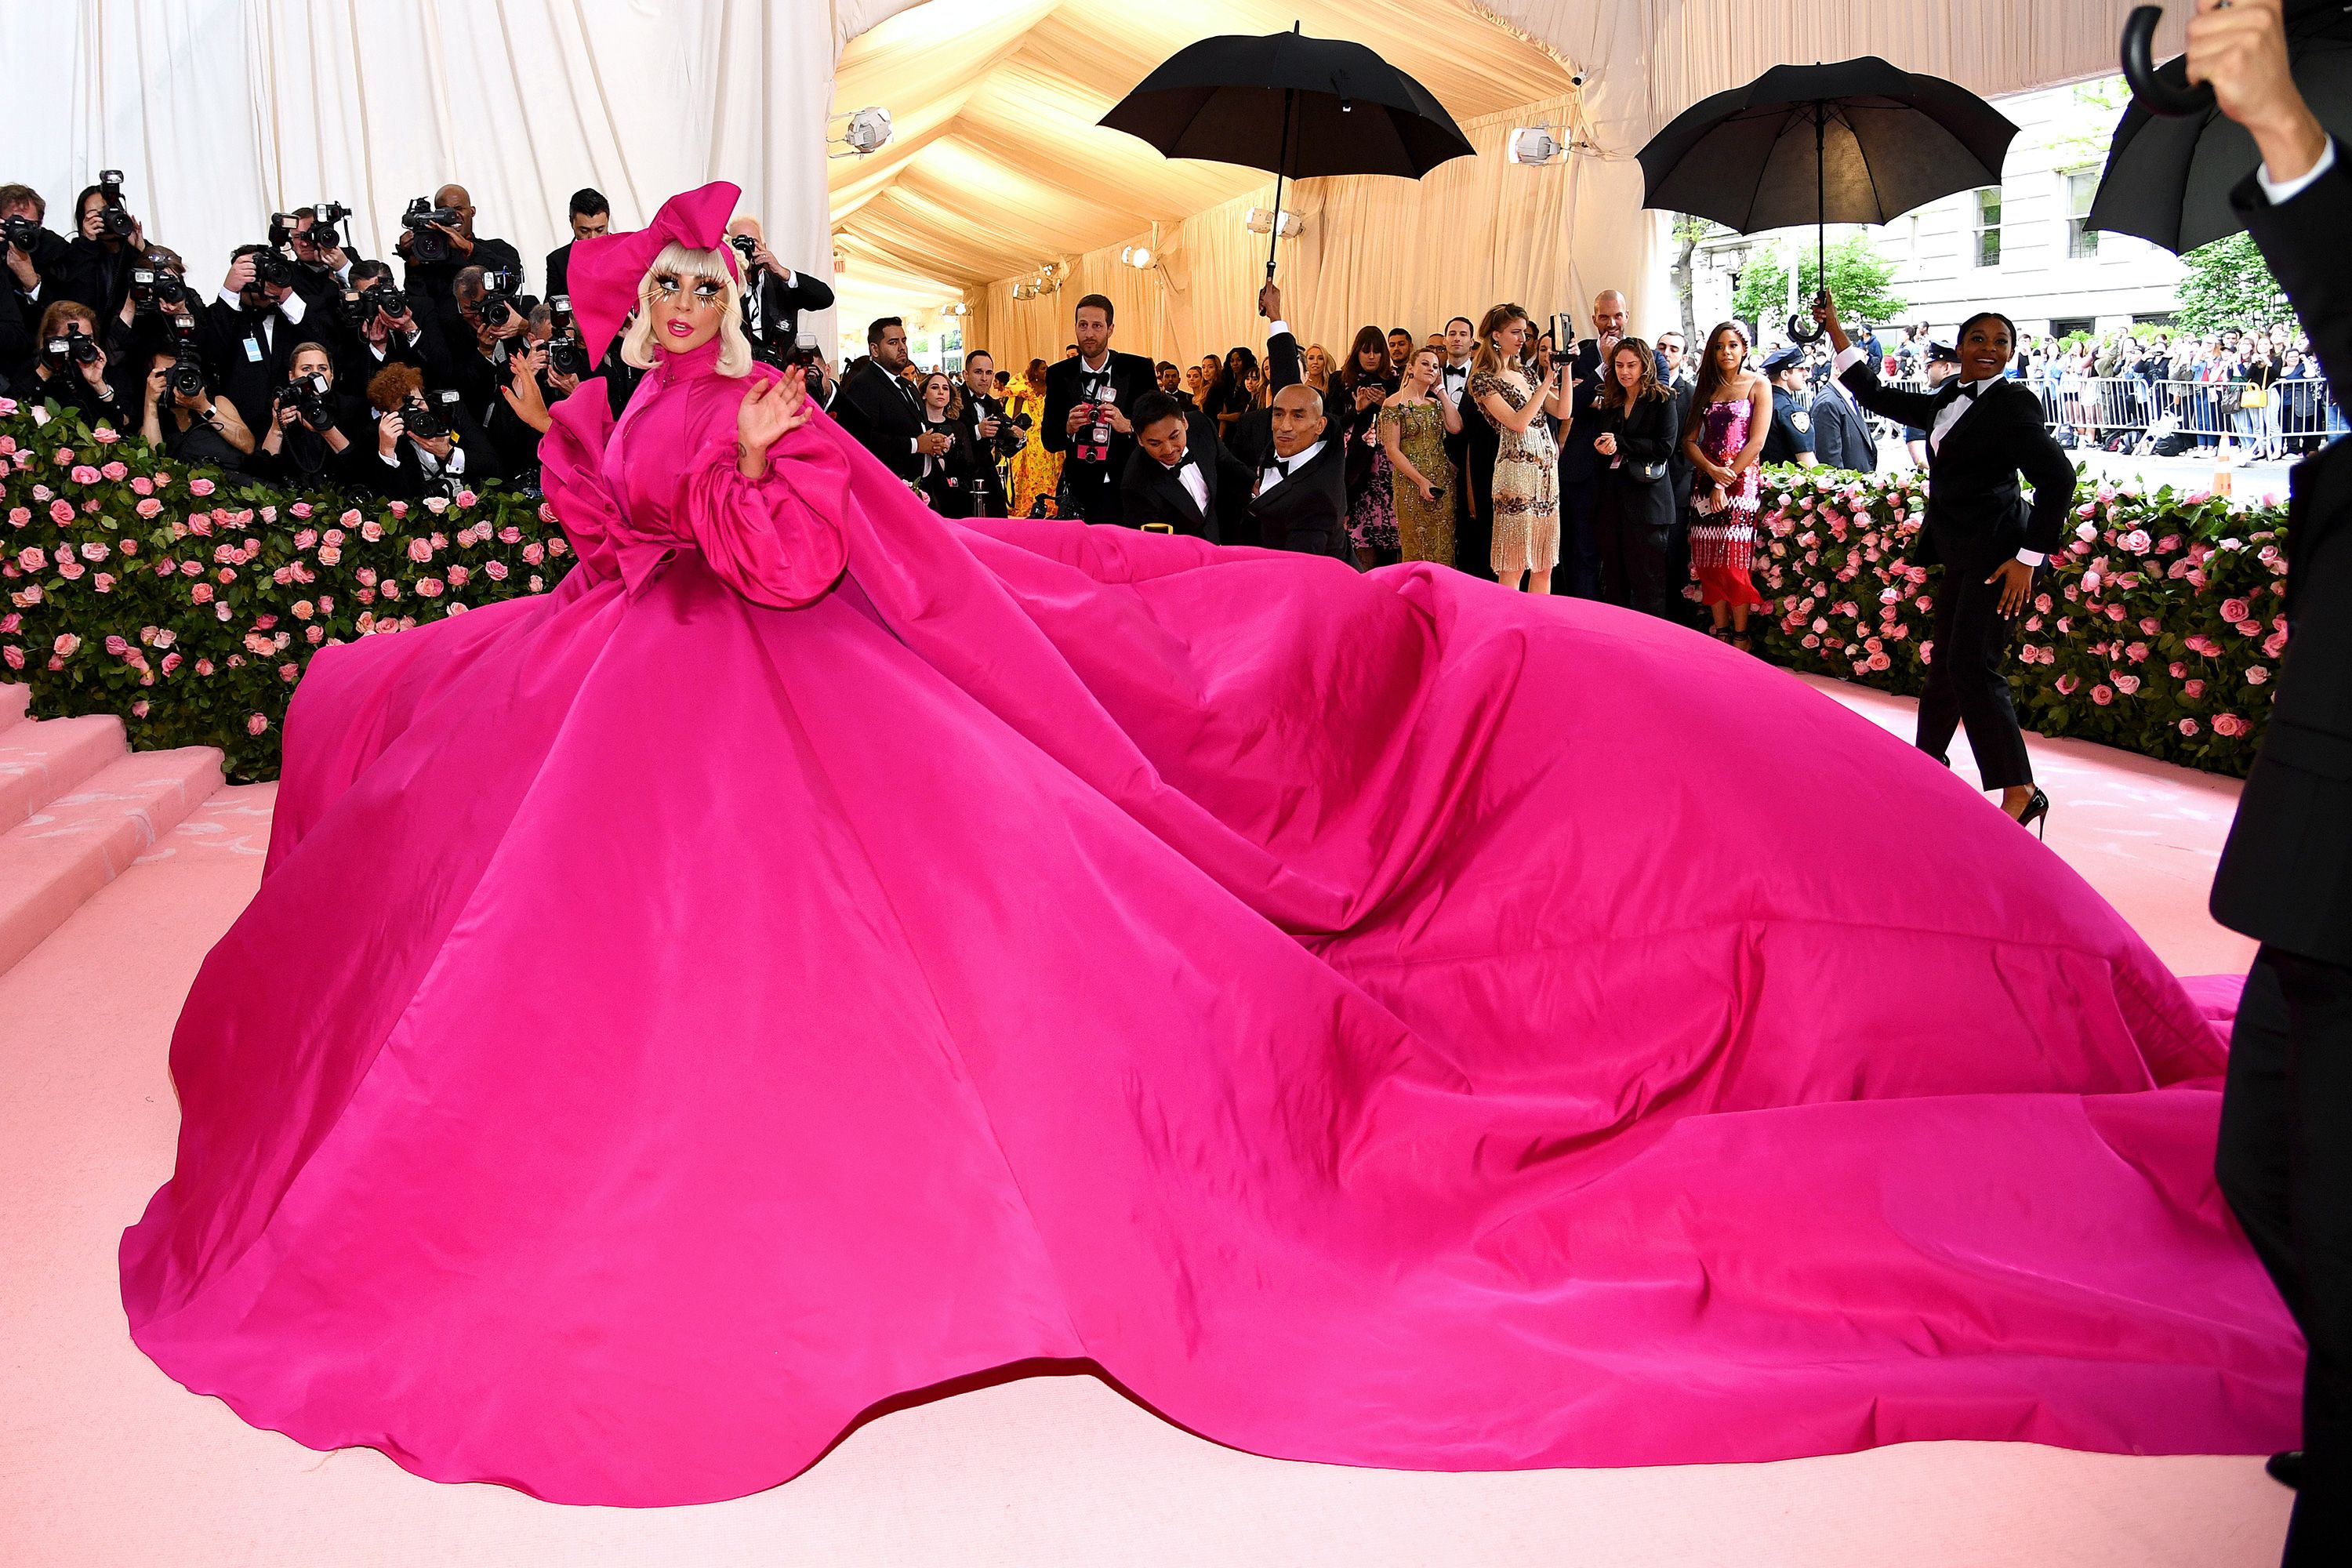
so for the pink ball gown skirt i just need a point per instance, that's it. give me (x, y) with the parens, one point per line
(820, 951)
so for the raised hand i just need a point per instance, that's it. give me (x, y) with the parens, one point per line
(770, 411)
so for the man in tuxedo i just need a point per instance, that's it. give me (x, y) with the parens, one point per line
(1301, 501)
(1580, 468)
(591, 215)
(1472, 452)
(1182, 476)
(1089, 397)
(1674, 374)
(2284, 1156)
(1942, 362)
(990, 436)
(774, 294)
(1842, 437)
(880, 407)
(1171, 381)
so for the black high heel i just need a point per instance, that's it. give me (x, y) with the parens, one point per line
(2036, 815)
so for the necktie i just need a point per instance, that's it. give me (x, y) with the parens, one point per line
(1280, 465)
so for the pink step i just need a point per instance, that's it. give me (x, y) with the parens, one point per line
(41, 759)
(16, 701)
(79, 841)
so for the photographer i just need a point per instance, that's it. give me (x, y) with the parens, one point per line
(437, 242)
(772, 304)
(591, 215)
(30, 255)
(384, 327)
(991, 435)
(498, 381)
(307, 441)
(425, 444)
(180, 415)
(74, 368)
(108, 242)
(250, 329)
(321, 252)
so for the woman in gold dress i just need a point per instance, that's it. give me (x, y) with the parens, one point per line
(1527, 460)
(1036, 473)
(1415, 420)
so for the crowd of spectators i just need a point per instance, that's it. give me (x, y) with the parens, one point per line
(425, 373)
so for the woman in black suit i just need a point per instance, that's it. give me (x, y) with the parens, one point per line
(946, 478)
(1983, 430)
(1637, 437)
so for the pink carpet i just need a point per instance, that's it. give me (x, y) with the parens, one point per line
(104, 1462)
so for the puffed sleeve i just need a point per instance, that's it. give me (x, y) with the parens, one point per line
(774, 539)
(572, 474)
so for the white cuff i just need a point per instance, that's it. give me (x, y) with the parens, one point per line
(457, 463)
(788, 277)
(914, 443)
(1276, 329)
(390, 461)
(2280, 191)
(34, 293)
(231, 300)
(1848, 357)
(2031, 557)
(291, 308)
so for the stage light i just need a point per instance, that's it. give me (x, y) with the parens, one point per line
(1258, 220)
(1136, 255)
(1534, 145)
(868, 129)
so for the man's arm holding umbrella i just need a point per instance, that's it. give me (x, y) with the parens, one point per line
(2298, 204)
(1860, 373)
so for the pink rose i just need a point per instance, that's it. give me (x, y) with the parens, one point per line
(459, 577)
(139, 709)
(370, 530)
(18, 516)
(305, 538)
(2275, 645)
(117, 647)
(2066, 684)
(2101, 695)
(429, 587)
(301, 509)
(65, 646)
(420, 549)
(104, 437)
(202, 487)
(2257, 675)
(170, 662)
(204, 667)
(349, 519)
(511, 534)
(71, 571)
(2177, 669)
(2234, 610)
(201, 593)
(83, 474)
(532, 554)
(2188, 726)
(61, 511)
(1880, 661)
(400, 509)
(14, 655)
(103, 582)
(32, 558)
(148, 507)
(255, 724)
(2137, 653)
(115, 469)
(287, 672)
(2127, 684)
(2228, 724)
(329, 555)
(2192, 689)
(301, 609)
(366, 575)
(496, 570)
(466, 498)
(140, 485)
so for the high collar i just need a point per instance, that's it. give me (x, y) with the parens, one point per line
(693, 364)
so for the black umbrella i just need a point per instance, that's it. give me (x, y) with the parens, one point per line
(2176, 156)
(1855, 142)
(1294, 106)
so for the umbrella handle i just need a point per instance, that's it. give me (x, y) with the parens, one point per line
(2154, 93)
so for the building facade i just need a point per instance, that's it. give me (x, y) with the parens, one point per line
(2022, 247)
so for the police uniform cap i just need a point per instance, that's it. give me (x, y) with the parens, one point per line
(1781, 358)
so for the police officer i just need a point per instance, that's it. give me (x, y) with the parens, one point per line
(1942, 364)
(1791, 437)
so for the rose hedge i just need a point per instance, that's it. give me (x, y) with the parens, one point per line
(2157, 626)
(146, 588)
(143, 587)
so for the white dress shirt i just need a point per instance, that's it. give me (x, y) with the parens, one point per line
(1188, 474)
(1270, 476)
(1951, 414)
(2280, 191)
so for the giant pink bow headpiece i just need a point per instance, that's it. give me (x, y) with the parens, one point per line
(605, 272)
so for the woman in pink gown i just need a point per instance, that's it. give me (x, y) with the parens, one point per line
(820, 951)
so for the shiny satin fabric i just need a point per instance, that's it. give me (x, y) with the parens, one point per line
(820, 951)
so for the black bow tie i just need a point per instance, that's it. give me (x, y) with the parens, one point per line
(1280, 465)
(1966, 391)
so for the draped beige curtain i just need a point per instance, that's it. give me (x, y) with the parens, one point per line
(1373, 251)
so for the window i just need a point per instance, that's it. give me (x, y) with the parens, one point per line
(2073, 326)
(2082, 239)
(1988, 251)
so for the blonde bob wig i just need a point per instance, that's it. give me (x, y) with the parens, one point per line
(688, 265)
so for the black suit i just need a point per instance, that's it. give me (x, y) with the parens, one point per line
(558, 270)
(1151, 492)
(432, 284)
(1679, 474)
(1307, 511)
(1472, 452)
(2285, 1160)
(1842, 437)
(773, 308)
(986, 482)
(1579, 571)
(1634, 521)
(884, 414)
(949, 484)
(91, 272)
(245, 353)
(1094, 482)
(1976, 518)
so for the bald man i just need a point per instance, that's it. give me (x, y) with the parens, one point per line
(774, 295)
(1301, 501)
(431, 283)
(1580, 468)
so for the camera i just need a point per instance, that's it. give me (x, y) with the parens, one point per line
(426, 243)
(383, 295)
(186, 376)
(21, 232)
(307, 395)
(327, 224)
(154, 287)
(69, 349)
(271, 268)
(114, 220)
(421, 419)
(498, 306)
(745, 247)
(566, 354)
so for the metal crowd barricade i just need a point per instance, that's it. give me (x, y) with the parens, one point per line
(2100, 411)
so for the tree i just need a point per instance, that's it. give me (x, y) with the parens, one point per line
(2226, 285)
(1689, 232)
(1859, 276)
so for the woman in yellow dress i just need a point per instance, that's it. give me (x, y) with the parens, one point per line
(1036, 471)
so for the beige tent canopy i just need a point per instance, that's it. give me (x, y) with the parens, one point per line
(997, 167)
